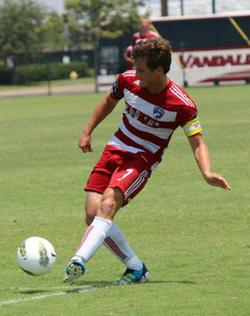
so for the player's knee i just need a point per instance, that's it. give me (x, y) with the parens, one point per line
(111, 201)
(107, 207)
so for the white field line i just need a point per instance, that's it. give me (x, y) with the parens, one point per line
(45, 296)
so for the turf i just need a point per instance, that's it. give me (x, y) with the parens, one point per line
(193, 238)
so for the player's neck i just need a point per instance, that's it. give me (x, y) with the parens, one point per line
(158, 86)
(144, 32)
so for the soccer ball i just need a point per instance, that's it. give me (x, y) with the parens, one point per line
(36, 256)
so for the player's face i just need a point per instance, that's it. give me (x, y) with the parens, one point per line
(148, 78)
(145, 25)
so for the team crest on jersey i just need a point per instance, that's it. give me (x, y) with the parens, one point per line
(158, 112)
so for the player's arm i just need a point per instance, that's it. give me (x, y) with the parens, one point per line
(193, 131)
(128, 59)
(127, 55)
(103, 109)
(202, 158)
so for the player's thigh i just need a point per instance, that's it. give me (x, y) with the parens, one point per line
(100, 175)
(130, 178)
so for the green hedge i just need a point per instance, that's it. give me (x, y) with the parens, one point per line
(53, 71)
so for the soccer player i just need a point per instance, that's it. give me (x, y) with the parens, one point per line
(145, 32)
(154, 107)
(143, 35)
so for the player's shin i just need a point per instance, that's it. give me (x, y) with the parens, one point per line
(91, 241)
(118, 245)
(93, 237)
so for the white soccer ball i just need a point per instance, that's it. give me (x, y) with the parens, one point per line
(36, 256)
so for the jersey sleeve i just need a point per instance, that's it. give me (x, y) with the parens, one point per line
(154, 34)
(117, 88)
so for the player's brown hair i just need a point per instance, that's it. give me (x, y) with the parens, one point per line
(156, 51)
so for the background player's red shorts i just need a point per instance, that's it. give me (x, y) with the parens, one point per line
(128, 172)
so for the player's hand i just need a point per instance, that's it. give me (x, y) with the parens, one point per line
(84, 143)
(217, 180)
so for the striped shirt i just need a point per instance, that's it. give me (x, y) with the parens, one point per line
(149, 121)
(137, 37)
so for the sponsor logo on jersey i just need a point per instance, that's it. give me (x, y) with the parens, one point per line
(158, 112)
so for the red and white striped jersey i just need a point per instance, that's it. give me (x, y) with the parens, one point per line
(148, 120)
(137, 37)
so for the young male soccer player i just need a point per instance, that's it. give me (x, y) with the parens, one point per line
(154, 107)
(145, 32)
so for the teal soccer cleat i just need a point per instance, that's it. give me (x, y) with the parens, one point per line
(133, 276)
(74, 270)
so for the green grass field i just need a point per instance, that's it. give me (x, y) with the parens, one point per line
(194, 238)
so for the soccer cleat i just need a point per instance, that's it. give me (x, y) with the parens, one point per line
(133, 276)
(74, 270)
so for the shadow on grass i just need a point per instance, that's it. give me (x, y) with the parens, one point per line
(33, 291)
(66, 289)
(87, 286)
(188, 282)
(103, 284)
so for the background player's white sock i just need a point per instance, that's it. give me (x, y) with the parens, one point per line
(117, 243)
(93, 237)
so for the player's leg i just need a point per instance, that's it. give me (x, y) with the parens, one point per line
(97, 182)
(130, 178)
(111, 201)
(116, 241)
(76, 266)
(118, 245)
(99, 228)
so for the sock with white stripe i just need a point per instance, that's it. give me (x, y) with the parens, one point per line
(118, 245)
(93, 237)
